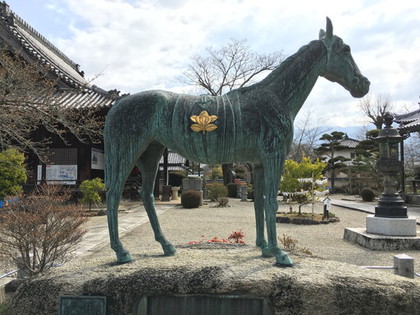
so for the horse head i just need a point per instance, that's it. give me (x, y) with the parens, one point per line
(340, 66)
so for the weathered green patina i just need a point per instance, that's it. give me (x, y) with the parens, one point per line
(252, 124)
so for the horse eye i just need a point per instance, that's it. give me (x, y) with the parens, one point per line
(346, 49)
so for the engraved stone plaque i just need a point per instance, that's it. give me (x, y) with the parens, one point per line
(202, 304)
(82, 305)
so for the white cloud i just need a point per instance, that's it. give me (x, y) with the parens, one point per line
(146, 44)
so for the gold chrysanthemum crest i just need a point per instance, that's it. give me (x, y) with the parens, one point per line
(203, 122)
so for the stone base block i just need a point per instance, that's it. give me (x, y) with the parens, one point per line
(314, 287)
(391, 226)
(381, 242)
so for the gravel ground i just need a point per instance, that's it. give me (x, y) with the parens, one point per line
(182, 226)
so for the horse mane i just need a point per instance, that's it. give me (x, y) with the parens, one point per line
(305, 56)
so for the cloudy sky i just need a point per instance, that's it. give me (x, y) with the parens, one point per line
(138, 45)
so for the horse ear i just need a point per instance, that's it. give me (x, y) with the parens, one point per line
(329, 28)
(321, 34)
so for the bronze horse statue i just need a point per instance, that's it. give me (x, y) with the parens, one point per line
(251, 124)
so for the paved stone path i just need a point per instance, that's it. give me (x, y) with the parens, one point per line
(132, 216)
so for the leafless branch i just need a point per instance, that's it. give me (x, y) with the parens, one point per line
(232, 66)
(375, 108)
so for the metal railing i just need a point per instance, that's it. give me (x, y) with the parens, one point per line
(8, 273)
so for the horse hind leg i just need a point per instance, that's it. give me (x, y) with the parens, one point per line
(116, 173)
(148, 165)
(113, 200)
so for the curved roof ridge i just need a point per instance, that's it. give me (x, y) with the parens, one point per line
(42, 49)
(23, 24)
(407, 117)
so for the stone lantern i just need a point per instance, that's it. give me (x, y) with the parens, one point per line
(391, 213)
(390, 203)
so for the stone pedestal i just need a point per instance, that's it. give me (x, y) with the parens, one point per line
(166, 193)
(391, 226)
(316, 286)
(381, 242)
(175, 193)
(193, 184)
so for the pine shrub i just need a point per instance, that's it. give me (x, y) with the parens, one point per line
(191, 199)
(176, 177)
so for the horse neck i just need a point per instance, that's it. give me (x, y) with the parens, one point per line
(294, 79)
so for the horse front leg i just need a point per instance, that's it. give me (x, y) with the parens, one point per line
(272, 173)
(259, 208)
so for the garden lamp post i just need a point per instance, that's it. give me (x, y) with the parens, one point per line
(390, 204)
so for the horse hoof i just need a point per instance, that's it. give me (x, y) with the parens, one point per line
(169, 250)
(124, 258)
(284, 261)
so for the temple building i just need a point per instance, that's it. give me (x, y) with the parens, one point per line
(409, 123)
(75, 161)
(66, 164)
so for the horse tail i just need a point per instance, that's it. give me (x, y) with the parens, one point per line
(111, 148)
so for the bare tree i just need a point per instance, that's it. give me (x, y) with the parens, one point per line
(39, 230)
(412, 154)
(375, 108)
(30, 99)
(307, 133)
(232, 66)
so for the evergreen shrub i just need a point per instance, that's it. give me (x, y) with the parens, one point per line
(367, 194)
(176, 177)
(216, 191)
(12, 173)
(90, 190)
(191, 199)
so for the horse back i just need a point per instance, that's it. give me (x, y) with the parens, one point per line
(239, 125)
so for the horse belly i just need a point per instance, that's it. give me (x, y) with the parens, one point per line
(203, 149)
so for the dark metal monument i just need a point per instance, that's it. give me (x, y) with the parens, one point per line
(252, 124)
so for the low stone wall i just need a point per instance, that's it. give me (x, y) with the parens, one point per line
(313, 286)
(413, 199)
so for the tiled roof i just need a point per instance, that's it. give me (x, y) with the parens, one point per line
(409, 122)
(175, 162)
(349, 142)
(85, 98)
(174, 159)
(78, 91)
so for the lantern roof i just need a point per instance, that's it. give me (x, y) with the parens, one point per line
(388, 132)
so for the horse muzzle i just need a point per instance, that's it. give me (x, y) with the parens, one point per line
(360, 86)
